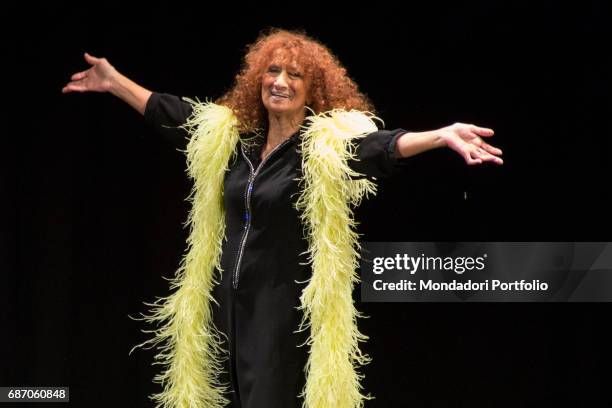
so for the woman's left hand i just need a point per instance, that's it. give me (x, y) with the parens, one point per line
(467, 141)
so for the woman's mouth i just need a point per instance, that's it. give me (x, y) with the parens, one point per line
(279, 95)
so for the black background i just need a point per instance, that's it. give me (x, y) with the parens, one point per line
(94, 203)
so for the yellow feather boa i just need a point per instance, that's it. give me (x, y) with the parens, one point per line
(190, 346)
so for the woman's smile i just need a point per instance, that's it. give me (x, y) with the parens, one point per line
(276, 96)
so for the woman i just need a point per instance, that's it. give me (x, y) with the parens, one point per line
(271, 240)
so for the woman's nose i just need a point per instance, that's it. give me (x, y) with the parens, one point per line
(281, 80)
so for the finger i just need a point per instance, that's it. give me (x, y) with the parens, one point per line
(471, 160)
(73, 87)
(494, 159)
(484, 155)
(480, 154)
(480, 131)
(78, 76)
(491, 149)
(91, 59)
(487, 157)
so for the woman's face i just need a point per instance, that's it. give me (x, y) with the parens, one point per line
(283, 88)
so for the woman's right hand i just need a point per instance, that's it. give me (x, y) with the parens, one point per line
(98, 78)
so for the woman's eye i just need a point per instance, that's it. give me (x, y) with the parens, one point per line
(295, 74)
(274, 69)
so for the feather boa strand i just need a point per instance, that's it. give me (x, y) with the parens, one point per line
(327, 304)
(190, 345)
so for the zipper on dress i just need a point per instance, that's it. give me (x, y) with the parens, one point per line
(247, 206)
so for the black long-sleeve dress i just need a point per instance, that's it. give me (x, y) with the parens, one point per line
(263, 259)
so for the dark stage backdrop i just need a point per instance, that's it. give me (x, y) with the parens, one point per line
(95, 204)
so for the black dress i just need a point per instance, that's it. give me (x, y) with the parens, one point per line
(263, 259)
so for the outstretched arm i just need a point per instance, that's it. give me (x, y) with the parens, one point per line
(103, 77)
(463, 138)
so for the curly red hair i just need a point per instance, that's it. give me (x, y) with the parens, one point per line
(329, 86)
